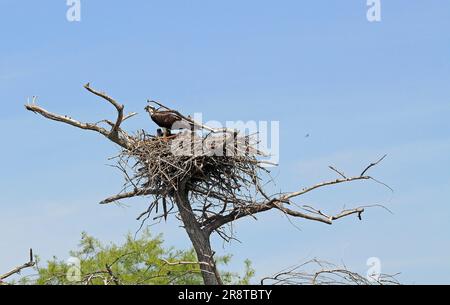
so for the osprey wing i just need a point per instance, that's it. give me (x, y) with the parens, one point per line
(165, 119)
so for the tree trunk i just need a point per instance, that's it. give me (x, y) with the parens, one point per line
(199, 239)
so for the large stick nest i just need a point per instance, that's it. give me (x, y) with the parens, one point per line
(216, 169)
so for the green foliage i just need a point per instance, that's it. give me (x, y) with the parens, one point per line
(142, 261)
(234, 278)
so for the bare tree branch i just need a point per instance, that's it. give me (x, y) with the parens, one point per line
(183, 263)
(126, 195)
(119, 108)
(319, 185)
(372, 165)
(114, 278)
(18, 269)
(218, 221)
(115, 134)
(328, 274)
(338, 172)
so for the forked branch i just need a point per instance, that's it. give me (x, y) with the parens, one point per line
(115, 129)
(18, 269)
(279, 202)
(116, 135)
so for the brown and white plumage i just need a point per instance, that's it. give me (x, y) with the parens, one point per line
(168, 120)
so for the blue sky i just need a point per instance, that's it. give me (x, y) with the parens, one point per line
(359, 89)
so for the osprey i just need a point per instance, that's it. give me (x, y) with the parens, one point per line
(167, 120)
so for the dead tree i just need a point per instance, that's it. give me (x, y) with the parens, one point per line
(207, 189)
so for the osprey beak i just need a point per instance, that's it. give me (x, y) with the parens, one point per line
(149, 109)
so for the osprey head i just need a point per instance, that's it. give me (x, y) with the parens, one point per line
(150, 109)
